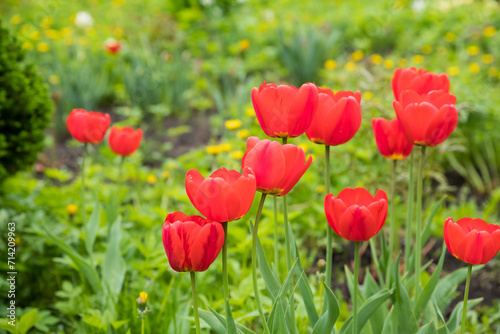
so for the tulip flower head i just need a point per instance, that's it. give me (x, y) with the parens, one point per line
(112, 45)
(427, 119)
(277, 167)
(337, 118)
(421, 81)
(191, 243)
(472, 241)
(285, 111)
(124, 141)
(224, 196)
(355, 214)
(88, 126)
(391, 139)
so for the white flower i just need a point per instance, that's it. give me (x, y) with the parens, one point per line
(84, 20)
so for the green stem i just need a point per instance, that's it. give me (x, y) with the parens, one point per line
(328, 273)
(392, 224)
(225, 279)
(84, 216)
(355, 299)
(254, 264)
(195, 302)
(409, 216)
(142, 326)
(466, 296)
(418, 241)
(276, 241)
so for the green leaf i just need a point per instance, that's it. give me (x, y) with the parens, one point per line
(231, 326)
(119, 323)
(427, 329)
(113, 266)
(91, 228)
(370, 287)
(429, 288)
(403, 308)
(388, 322)
(456, 315)
(222, 322)
(4, 324)
(212, 320)
(94, 321)
(327, 321)
(83, 266)
(281, 304)
(28, 320)
(428, 222)
(366, 310)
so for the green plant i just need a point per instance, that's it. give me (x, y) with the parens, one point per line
(25, 107)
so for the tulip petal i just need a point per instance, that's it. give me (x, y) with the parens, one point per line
(441, 126)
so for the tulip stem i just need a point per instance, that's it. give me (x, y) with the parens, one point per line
(409, 216)
(418, 246)
(276, 253)
(392, 230)
(195, 302)
(466, 296)
(328, 273)
(355, 299)
(254, 264)
(225, 279)
(83, 183)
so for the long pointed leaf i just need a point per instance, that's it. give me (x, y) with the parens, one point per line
(113, 266)
(403, 308)
(327, 321)
(91, 228)
(429, 288)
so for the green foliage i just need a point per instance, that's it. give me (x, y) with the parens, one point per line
(25, 107)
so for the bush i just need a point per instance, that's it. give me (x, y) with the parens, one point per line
(25, 107)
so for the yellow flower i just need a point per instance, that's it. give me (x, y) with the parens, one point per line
(144, 296)
(54, 79)
(225, 147)
(166, 174)
(27, 46)
(453, 70)
(402, 62)
(118, 3)
(388, 63)
(487, 58)
(426, 49)
(357, 55)
(233, 124)
(35, 35)
(418, 59)
(320, 189)
(304, 146)
(243, 134)
(236, 154)
(489, 31)
(65, 32)
(330, 64)
(52, 34)
(46, 22)
(442, 50)
(151, 179)
(213, 149)
(43, 47)
(16, 19)
(118, 32)
(244, 44)
(493, 71)
(350, 66)
(249, 111)
(449, 37)
(367, 95)
(376, 59)
(71, 209)
(473, 50)
(474, 68)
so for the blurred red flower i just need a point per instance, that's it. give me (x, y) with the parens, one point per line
(277, 167)
(355, 214)
(472, 240)
(391, 139)
(112, 45)
(191, 243)
(88, 126)
(124, 141)
(284, 111)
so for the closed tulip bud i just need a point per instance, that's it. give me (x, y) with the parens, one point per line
(355, 214)
(124, 141)
(337, 118)
(285, 111)
(472, 241)
(191, 243)
(421, 81)
(88, 126)
(391, 139)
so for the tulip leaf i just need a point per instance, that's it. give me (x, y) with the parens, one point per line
(389, 322)
(218, 323)
(427, 329)
(428, 222)
(403, 308)
(429, 288)
(456, 315)
(91, 228)
(366, 310)
(327, 321)
(231, 326)
(113, 266)
(83, 266)
(375, 259)
(370, 287)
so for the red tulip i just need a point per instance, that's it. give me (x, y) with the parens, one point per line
(427, 119)
(277, 168)
(355, 214)
(191, 243)
(88, 127)
(391, 139)
(337, 119)
(285, 111)
(224, 196)
(112, 45)
(420, 81)
(472, 241)
(124, 141)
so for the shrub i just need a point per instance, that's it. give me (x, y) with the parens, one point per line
(25, 107)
